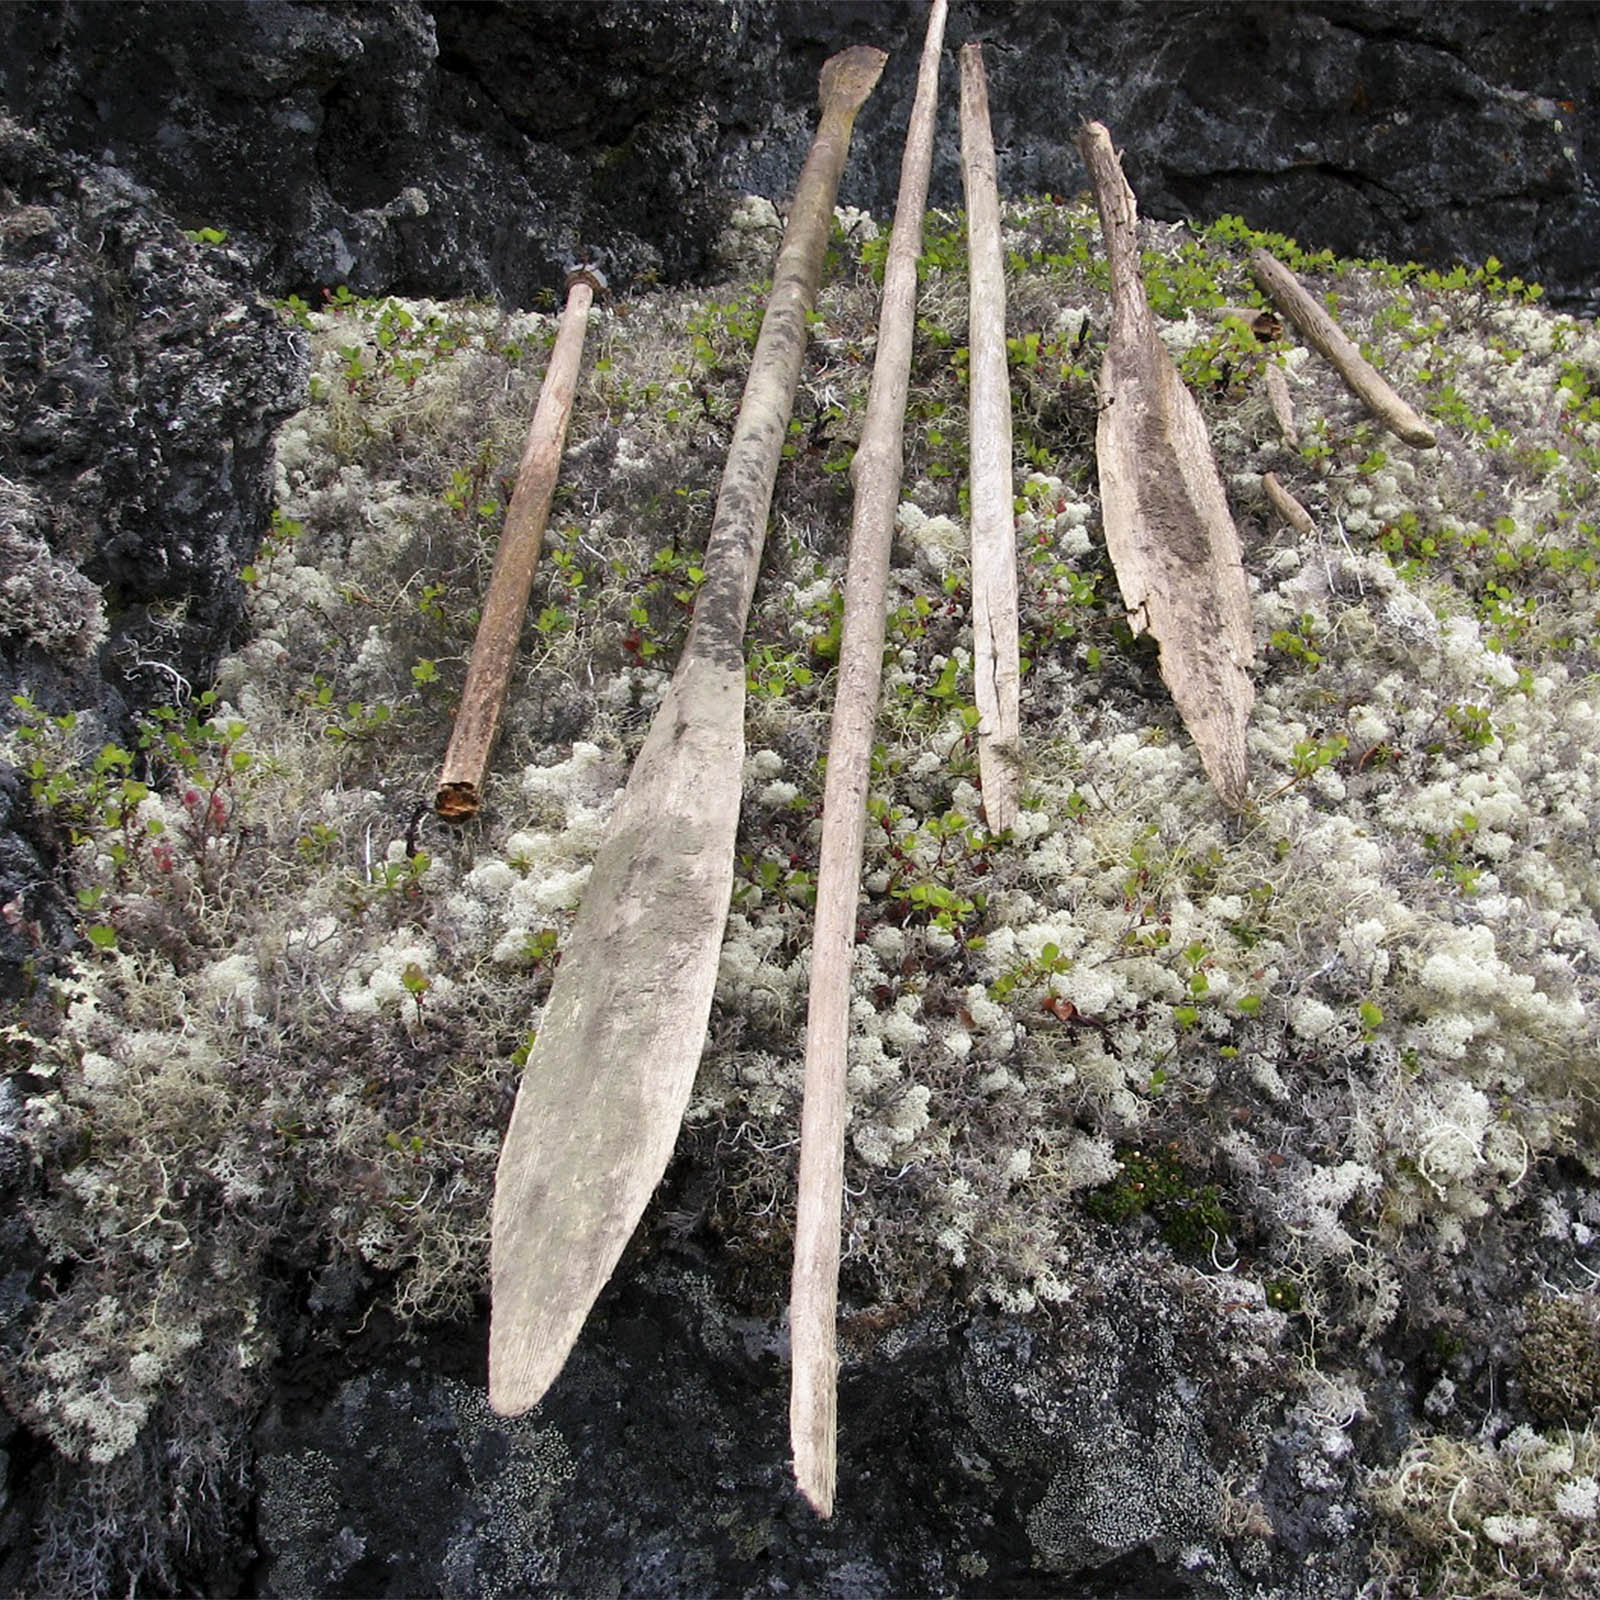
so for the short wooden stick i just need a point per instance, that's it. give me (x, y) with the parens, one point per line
(1321, 331)
(494, 650)
(1287, 506)
(996, 668)
(813, 1398)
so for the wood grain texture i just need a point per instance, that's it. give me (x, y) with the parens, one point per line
(1171, 538)
(814, 1293)
(996, 667)
(609, 1075)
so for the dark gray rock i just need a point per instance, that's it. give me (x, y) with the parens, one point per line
(1083, 1454)
(437, 147)
(141, 382)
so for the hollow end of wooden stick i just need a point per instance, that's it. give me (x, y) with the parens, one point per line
(455, 802)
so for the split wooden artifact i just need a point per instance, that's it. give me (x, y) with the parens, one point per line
(996, 665)
(876, 472)
(1172, 541)
(494, 650)
(1322, 332)
(610, 1073)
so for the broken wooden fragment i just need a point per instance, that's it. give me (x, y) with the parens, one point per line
(814, 1292)
(1263, 322)
(610, 1071)
(494, 650)
(996, 666)
(1322, 332)
(1287, 506)
(1172, 541)
(1282, 403)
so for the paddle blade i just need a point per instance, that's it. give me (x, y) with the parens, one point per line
(609, 1075)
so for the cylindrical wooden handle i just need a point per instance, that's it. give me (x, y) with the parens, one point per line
(494, 651)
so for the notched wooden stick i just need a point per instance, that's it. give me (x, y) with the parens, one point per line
(1172, 541)
(494, 649)
(1324, 334)
(996, 668)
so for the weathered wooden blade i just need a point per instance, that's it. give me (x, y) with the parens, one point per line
(814, 1292)
(610, 1073)
(996, 665)
(1172, 541)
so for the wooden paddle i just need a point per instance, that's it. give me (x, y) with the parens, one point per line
(996, 665)
(610, 1073)
(1172, 541)
(494, 649)
(876, 471)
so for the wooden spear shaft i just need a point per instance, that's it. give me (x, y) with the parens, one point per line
(494, 650)
(1364, 380)
(611, 1069)
(996, 668)
(876, 471)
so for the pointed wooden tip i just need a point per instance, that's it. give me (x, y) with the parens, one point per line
(814, 1403)
(849, 77)
(526, 1353)
(511, 1395)
(818, 1494)
(816, 1465)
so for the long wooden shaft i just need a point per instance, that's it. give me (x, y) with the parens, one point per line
(1326, 335)
(494, 650)
(996, 667)
(611, 1069)
(813, 1399)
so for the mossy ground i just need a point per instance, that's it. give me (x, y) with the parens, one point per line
(1349, 1037)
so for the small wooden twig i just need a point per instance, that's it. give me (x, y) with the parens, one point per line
(1282, 403)
(609, 1075)
(1287, 506)
(1171, 539)
(814, 1294)
(1321, 331)
(494, 650)
(996, 668)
